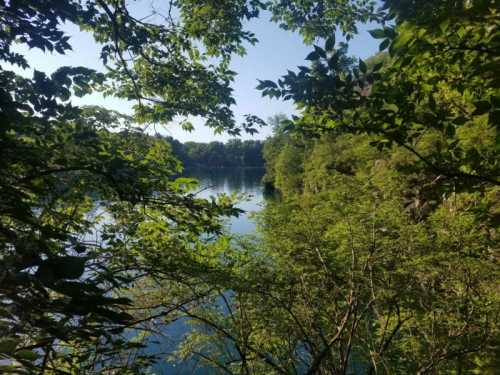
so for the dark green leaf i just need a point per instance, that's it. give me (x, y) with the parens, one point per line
(377, 67)
(313, 56)
(320, 51)
(482, 107)
(67, 267)
(330, 43)
(384, 44)
(27, 355)
(8, 345)
(362, 66)
(377, 33)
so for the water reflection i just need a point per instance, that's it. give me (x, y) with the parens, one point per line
(212, 182)
(228, 179)
(233, 180)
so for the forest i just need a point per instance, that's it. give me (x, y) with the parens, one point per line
(377, 252)
(235, 153)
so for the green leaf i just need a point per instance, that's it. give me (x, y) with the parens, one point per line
(444, 25)
(8, 345)
(330, 43)
(114, 316)
(266, 84)
(67, 267)
(75, 288)
(313, 56)
(186, 181)
(316, 54)
(377, 67)
(377, 33)
(187, 126)
(362, 66)
(320, 51)
(27, 355)
(384, 44)
(390, 107)
(482, 107)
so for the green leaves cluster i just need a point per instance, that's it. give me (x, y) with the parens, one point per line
(362, 266)
(439, 78)
(388, 181)
(379, 253)
(232, 154)
(378, 256)
(90, 204)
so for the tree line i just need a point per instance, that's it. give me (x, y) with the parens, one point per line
(234, 153)
(377, 255)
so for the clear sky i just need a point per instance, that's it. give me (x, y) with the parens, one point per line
(275, 53)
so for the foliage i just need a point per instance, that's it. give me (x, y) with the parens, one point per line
(398, 181)
(438, 83)
(358, 271)
(84, 190)
(322, 18)
(234, 153)
(379, 253)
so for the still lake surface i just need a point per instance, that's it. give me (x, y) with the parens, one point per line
(233, 180)
(213, 182)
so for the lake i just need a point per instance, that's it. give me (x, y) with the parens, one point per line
(213, 182)
(234, 180)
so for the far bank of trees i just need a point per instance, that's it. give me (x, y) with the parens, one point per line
(234, 153)
(379, 256)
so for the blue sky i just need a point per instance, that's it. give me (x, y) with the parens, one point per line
(276, 51)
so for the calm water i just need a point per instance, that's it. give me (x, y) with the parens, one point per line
(214, 181)
(237, 180)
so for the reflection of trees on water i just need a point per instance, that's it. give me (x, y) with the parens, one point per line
(214, 180)
(228, 179)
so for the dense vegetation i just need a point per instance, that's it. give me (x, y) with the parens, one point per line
(378, 255)
(232, 154)
(89, 203)
(402, 275)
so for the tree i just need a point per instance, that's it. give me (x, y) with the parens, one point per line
(233, 154)
(83, 189)
(438, 83)
(432, 106)
(382, 257)
(354, 275)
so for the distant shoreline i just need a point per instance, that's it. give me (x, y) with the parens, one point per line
(186, 166)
